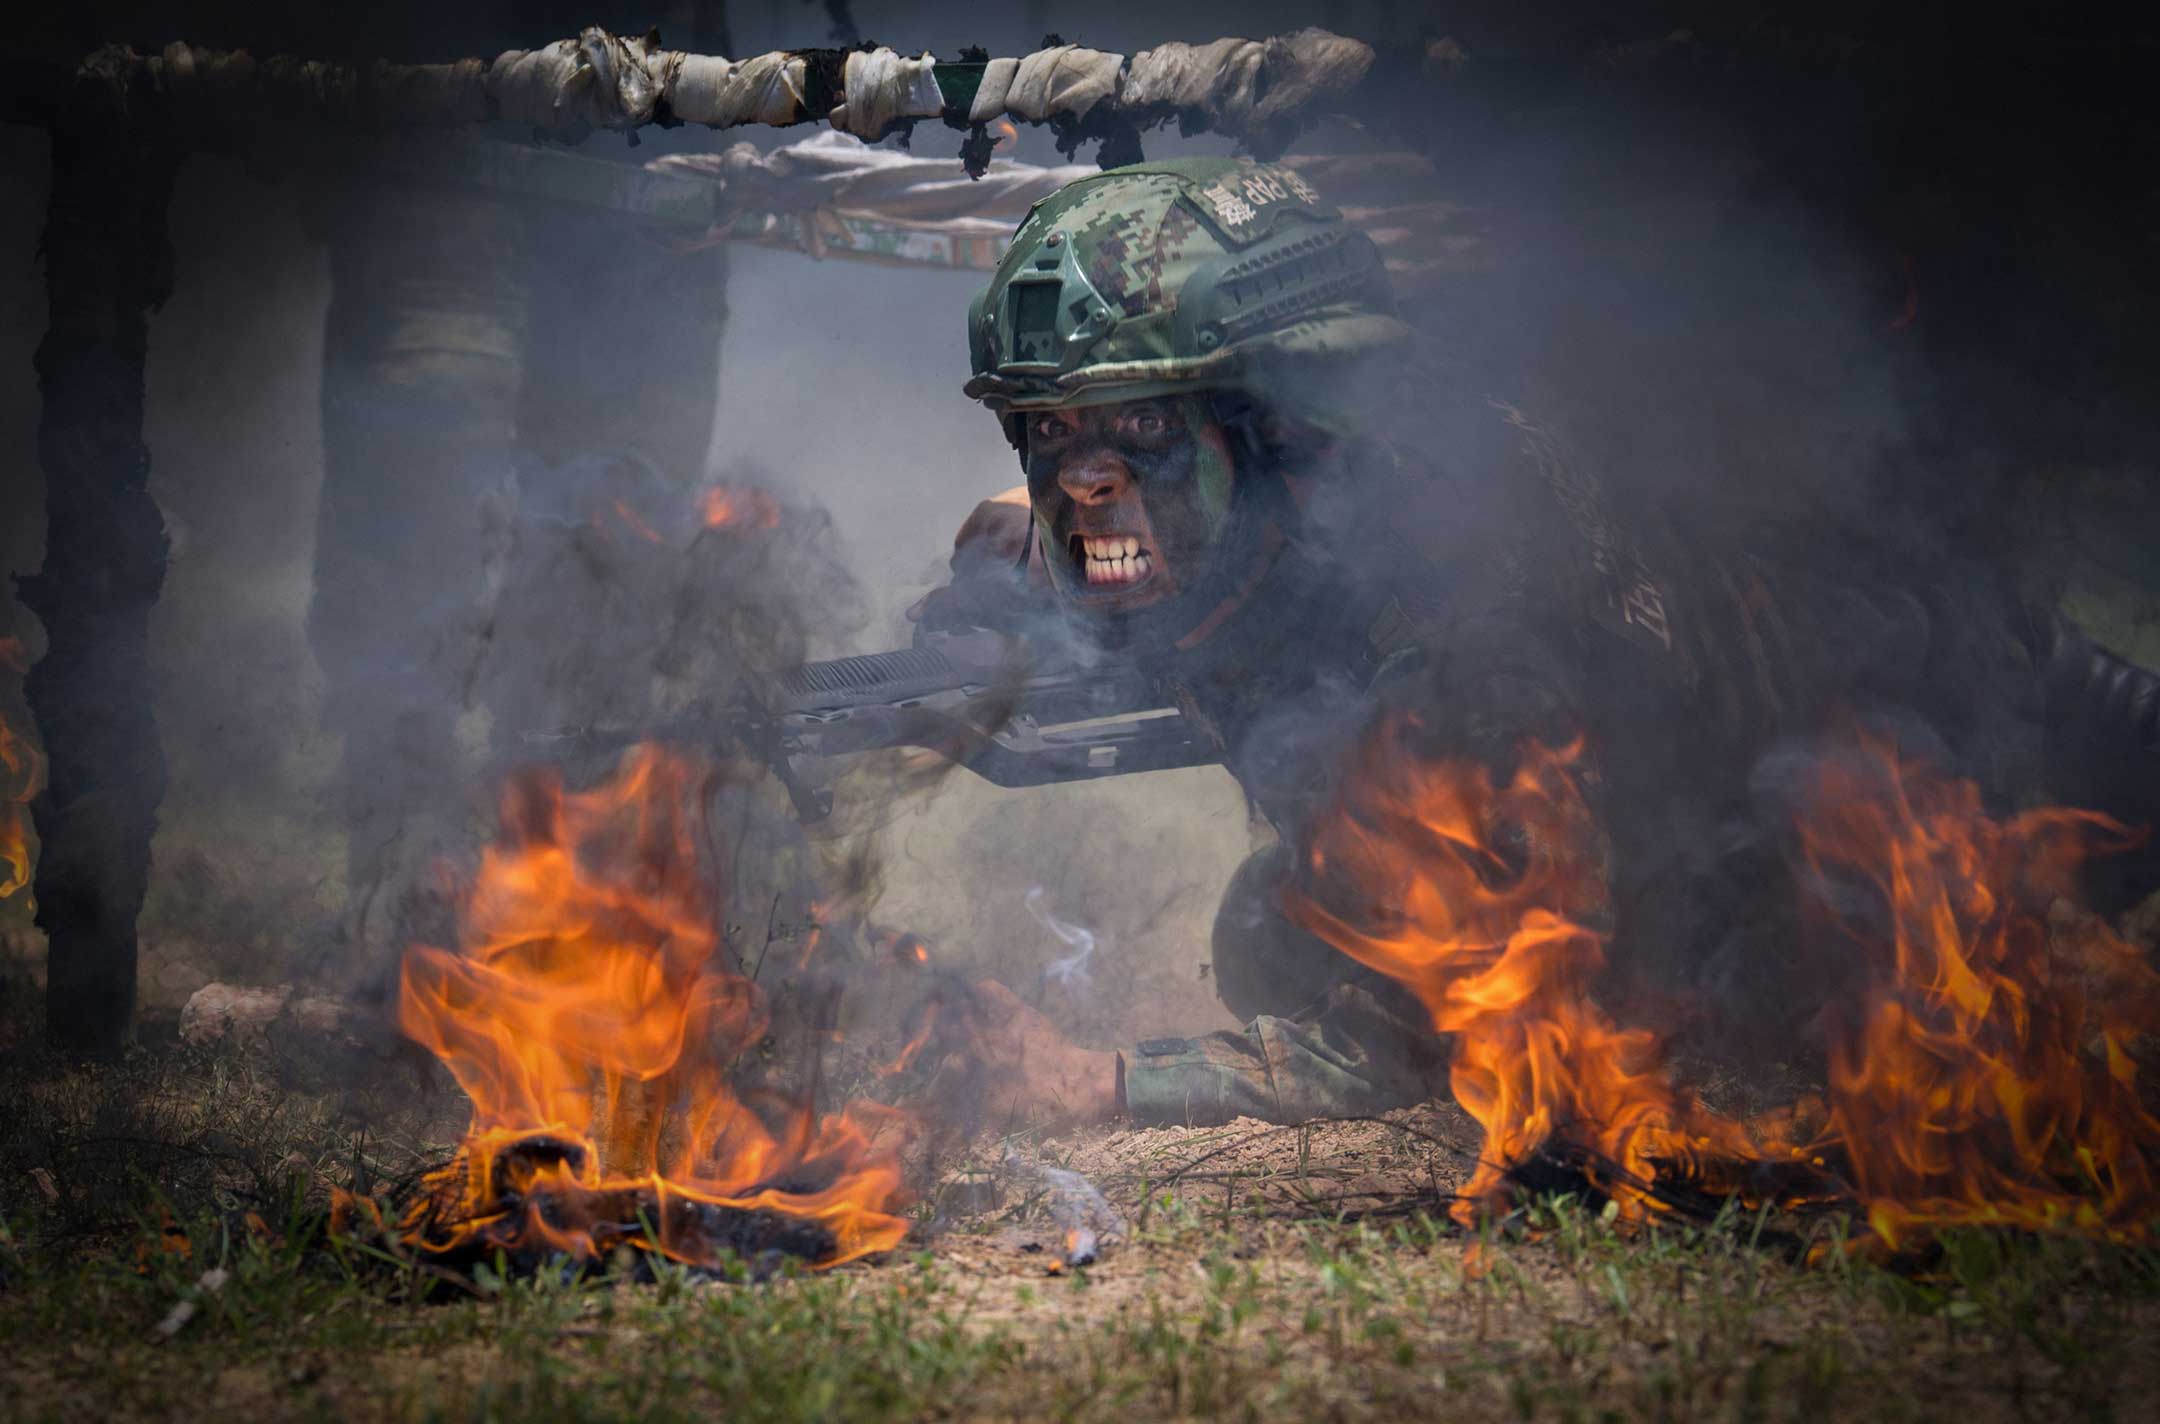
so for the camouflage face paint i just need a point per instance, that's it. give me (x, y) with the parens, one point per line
(1212, 471)
(1156, 474)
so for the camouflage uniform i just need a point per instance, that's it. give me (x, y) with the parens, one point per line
(1493, 591)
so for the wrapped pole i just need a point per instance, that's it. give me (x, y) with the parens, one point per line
(1259, 92)
(108, 264)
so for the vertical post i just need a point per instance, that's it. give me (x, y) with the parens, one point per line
(423, 356)
(108, 264)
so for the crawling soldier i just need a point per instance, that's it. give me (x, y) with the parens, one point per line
(1239, 477)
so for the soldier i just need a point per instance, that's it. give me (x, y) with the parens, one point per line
(1239, 477)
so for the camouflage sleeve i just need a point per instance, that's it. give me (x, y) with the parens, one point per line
(1349, 1057)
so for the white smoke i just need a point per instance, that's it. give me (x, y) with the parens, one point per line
(1068, 969)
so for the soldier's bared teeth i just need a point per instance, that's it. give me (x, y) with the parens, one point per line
(1108, 561)
(1111, 548)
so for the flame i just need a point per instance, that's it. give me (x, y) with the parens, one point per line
(22, 776)
(905, 948)
(1982, 1075)
(636, 523)
(740, 506)
(1485, 892)
(1986, 1076)
(913, 1048)
(591, 1020)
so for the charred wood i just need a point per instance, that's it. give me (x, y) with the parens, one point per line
(535, 1211)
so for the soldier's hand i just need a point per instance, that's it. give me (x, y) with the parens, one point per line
(1031, 1071)
(988, 585)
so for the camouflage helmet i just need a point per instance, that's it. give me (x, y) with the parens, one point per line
(1160, 278)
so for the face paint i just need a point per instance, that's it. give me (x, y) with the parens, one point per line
(1129, 499)
(1211, 464)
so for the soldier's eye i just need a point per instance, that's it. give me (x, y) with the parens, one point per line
(1049, 427)
(1149, 421)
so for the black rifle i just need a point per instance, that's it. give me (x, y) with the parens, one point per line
(1015, 713)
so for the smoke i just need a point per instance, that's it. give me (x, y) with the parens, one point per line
(1068, 970)
(1735, 355)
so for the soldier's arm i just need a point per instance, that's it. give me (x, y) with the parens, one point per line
(987, 573)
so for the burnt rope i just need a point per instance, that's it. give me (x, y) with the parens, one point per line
(1257, 91)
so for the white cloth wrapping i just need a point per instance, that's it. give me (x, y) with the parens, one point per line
(1187, 76)
(1304, 66)
(528, 85)
(1243, 84)
(880, 86)
(1067, 81)
(766, 89)
(598, 79)
(990, 95)
(1247, 89)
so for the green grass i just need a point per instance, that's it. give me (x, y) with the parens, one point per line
(1208, 1312)
(1268, 1318)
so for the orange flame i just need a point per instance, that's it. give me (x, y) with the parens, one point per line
(22, 776)
(917, 1041)
(591, 1021)
(636, 524)
(1488, 890)
(1984, 1076)
(740, 506)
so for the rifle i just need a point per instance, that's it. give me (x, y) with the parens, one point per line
(1014, 712)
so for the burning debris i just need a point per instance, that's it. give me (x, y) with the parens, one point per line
(738, 506)
(592, 1014)
(1983, 1074)
(1493, 890)
(22, 773)
(1077, 1209)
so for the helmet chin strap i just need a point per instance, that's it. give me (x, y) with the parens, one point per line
(1263, 560)
(1251, 545)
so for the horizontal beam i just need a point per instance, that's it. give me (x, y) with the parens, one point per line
(1259, 92)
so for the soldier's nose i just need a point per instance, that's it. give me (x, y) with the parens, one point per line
(1094, 477)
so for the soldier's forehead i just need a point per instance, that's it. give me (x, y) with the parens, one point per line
(1107, 409)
